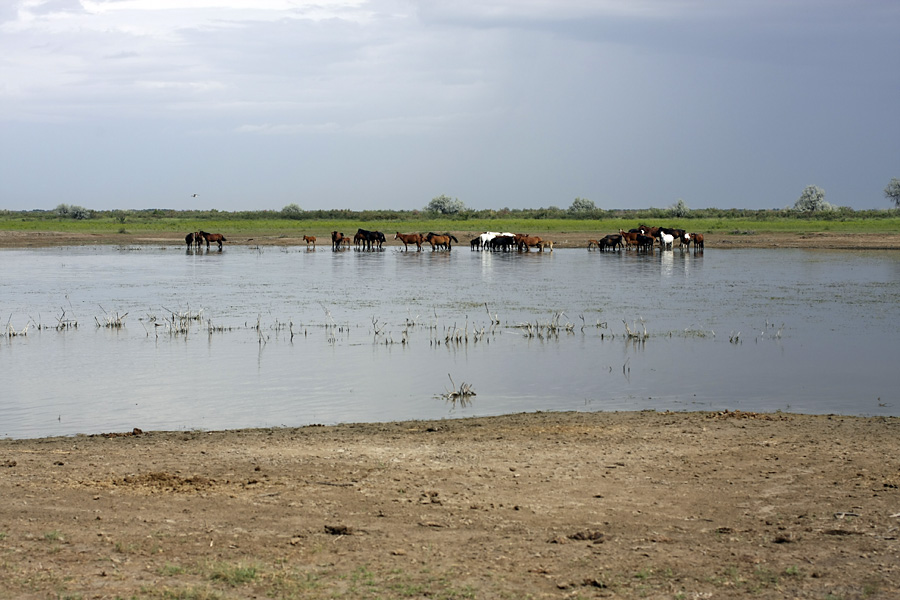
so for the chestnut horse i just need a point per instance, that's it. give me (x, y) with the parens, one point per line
(440, 241)
(213, 237)
(309, 239)
(410, 238)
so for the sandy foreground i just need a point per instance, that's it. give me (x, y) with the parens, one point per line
(541, 505)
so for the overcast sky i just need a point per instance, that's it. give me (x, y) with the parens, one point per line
(256, 104)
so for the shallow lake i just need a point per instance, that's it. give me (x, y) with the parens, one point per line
(288, 337)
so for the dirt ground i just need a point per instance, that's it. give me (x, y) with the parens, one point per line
(562, 239)
(541, 505)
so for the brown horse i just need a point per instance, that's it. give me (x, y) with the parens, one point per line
(337, 238)
(523, 241)
(410, 238)
(213, 237)
(630, 238)
(309, 239)
(189, 240)
(440, 241)
(698, 241)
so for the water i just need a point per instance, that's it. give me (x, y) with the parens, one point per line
(292, 337)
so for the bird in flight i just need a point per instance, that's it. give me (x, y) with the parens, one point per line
(194, 195)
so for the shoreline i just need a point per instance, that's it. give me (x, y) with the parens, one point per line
(561, 239)
(539, 505)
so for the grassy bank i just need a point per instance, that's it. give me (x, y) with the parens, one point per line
(275, 227)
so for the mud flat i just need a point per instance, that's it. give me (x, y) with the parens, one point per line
(539, 505)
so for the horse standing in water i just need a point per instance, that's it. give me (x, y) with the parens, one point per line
(440, 241)
(310, 239)
(193, 239)
(213, 237)
(410, 238)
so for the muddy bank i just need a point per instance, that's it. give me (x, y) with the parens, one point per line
(545, 505)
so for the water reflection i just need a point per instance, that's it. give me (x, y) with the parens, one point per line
(290, 337)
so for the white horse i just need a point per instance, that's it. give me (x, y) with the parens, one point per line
(666, 240)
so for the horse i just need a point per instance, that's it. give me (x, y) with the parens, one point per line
(213, 237)
(410, 238)
(484, 240)
(611, 241)
(310, 239)
(442, 241)
(502, 242)
(630, 237)
(592, 243)
(524, 241)
(545, 244)
(647, 230)
(698, 241)
(665, 240)
(189, 240)
(645, 242)
(370, 238)
(337, 238)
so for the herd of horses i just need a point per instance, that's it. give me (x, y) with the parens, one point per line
(643, 238)
(504, 242)
(196, 239)
(373, 240)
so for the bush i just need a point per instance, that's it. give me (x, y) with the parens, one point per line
(292, 211)
(812, 200)
(445, 205)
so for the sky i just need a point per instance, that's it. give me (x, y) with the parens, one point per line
(386, 104)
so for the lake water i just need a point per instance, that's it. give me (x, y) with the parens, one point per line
(290, 337)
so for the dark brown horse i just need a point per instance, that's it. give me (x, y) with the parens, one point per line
(370, 239)
(193, 239)
(410, 238)
(213, 237)
(337, 238)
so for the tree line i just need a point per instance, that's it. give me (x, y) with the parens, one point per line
(811, 203)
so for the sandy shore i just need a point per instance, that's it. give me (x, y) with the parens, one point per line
(545, 505)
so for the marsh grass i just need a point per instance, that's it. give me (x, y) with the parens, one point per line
(885, 222)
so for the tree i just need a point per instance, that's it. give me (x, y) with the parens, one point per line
(582, 205)
(445, 205)
(812, 200)
(291, 211)
(892, 192)
(679, 209)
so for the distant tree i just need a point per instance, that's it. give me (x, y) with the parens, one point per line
(73, 212)
(582, 205)
(812, 200)
(892, 192)
(445, 205)
(291, 211)
(679, 209)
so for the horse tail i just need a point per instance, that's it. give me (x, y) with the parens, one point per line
(453, 237)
